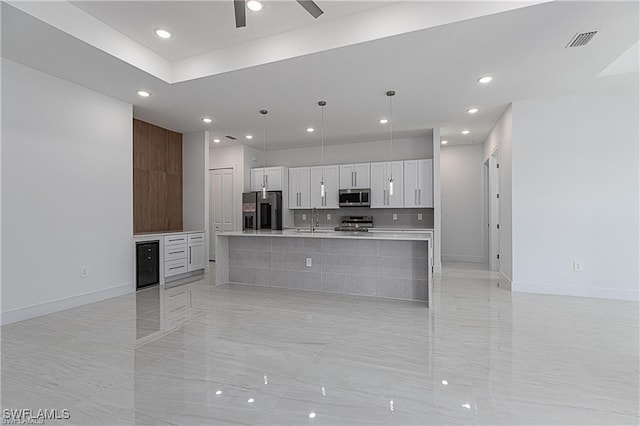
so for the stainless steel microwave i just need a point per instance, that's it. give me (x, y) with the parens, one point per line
(354, 198)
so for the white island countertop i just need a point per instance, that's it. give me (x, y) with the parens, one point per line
(328, 233)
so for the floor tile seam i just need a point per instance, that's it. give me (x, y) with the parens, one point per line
(163, 421)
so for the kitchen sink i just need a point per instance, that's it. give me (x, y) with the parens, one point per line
(317, 231)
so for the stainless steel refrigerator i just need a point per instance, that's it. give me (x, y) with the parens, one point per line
(262, 213)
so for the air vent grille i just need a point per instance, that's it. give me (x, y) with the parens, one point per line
(231, 138)
(581, 39)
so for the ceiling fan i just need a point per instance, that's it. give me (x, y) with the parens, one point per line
(240, 9)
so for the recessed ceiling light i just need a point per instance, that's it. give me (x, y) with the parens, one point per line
(163, 33)
(310, 129)
(144, 93)
(383, 121)
(312, 415)
(444, 142)
(218, 392)
(207, 120)
(216, 140)
(472, 110)
(254, 5)
(485, 79)
(250, 400)
(249, 137)
(465, 132)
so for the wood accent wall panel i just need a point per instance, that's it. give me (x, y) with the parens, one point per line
(157, 178)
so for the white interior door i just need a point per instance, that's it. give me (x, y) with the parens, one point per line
(494, 211)
(221, 208)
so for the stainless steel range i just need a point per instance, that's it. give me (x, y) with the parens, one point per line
(356, 223)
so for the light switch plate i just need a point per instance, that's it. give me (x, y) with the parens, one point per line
(304, 217)
(328, 216)
(395, 216)
(308, 262)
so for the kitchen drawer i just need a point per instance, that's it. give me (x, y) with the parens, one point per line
(196, 238)
(171, 240)
(178, 251)
(175, 267)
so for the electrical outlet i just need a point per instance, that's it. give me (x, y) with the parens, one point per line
(577, 266)
(304, 217)
(328, 216)
(308, 262)
(395, 216)
(84, 272)
(419, 216)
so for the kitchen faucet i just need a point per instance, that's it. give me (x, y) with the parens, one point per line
(315, 219)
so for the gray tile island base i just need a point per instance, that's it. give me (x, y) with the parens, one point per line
(395, 266)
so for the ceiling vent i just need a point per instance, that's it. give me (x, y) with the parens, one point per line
(581, 39)
(231, 138)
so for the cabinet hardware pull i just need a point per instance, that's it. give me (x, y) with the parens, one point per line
(175, 267)
(355, 174)
(189, 255)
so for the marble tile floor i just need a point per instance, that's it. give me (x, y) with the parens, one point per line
(265, 356)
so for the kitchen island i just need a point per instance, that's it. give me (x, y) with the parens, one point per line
(394, 265)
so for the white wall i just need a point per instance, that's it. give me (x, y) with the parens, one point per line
(501, 138)
(66, 194)
(576, 195)
(195, 183)
(362, 152)
(462, 178)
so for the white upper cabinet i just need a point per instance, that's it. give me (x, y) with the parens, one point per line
(330, 200)
(355, 176)
(273, 177)
(418, 183)
(380, 194)
(299, 188)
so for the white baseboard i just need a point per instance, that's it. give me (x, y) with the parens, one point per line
(574, 290)
(62, 304)
(505, 282)
(463, 258)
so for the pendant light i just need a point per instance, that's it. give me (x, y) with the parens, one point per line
(264, 113)
(390, 95)
(322, 104)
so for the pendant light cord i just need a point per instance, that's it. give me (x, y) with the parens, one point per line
(322, 138)
(264, 143)
(391, 135)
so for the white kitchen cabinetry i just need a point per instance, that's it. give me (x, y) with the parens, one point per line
(183, 253)
(299, 189)
(418, 183)
(355, 176)
(175, 254)
(196, 251)
(274, 178)
(330, 200)
(380, 174)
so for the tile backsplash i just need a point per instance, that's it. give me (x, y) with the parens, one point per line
(382, 218)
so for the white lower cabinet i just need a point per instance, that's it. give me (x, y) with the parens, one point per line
(196, 252)
(183, 253)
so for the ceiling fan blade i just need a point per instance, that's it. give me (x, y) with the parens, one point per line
(241, 13)
(311, 7)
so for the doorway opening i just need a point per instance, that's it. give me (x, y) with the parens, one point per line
(221, 205)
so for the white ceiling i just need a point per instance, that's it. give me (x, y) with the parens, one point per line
(433, 70)
(203, 26)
